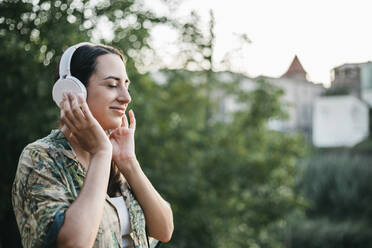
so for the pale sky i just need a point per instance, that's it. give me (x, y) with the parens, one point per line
(323, 33)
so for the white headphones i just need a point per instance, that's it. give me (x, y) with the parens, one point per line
(66, 82)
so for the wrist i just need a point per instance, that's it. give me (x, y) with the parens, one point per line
(105, 151)
(127, 165)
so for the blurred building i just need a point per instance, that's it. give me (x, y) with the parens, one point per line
(299, 97)
(329, 120)
(342, 117)
(340, 121)
(353, 79)
(347, 77)
(366, 83)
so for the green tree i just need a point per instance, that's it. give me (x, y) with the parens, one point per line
(228, 183)
(230, 178)
(242, 174)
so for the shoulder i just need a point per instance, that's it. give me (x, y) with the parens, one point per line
(36, 155)
(46, 151)
(38, 161)
(41, 171)
(39, 190)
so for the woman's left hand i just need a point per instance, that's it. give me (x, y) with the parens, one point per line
(158, 214)
(122, 140)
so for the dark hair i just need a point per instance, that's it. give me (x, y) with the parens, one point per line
(83, 65)
(84, 60)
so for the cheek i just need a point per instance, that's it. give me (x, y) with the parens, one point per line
(96, 98)
(95, 105)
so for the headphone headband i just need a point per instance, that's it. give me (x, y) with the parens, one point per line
(66, 81)
(65, 62)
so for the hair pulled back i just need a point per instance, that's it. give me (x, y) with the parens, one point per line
(84, 60)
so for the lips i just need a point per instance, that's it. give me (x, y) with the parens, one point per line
(120, 110)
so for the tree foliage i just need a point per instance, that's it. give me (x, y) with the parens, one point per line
(228, 179)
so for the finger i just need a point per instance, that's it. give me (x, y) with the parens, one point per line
(65, 113)
(62, 102)
(125, 120)
(113, 133)
(69, 115)
(76, 110)
(122, 121)
(132, 120)
(73, 138)
(84, 107)
(64, 128)
(66, 122)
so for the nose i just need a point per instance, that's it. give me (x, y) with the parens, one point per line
(124, 96)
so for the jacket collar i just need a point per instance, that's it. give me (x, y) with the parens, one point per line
(62, 143)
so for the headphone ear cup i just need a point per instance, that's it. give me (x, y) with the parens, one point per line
(71, 84)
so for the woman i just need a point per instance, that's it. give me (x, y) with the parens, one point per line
(82, 186)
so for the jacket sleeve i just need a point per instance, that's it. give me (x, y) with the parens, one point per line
(39, 197)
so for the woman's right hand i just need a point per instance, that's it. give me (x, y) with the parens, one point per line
(84, 128)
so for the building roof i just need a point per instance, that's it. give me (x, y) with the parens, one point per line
(295, 70)
(351, 65)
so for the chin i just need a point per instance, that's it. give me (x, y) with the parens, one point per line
(111, 125)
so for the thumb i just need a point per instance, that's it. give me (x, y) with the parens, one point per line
(113, 133)
(64, 127)
(73, 138)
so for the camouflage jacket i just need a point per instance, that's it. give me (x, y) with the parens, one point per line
(48, 180)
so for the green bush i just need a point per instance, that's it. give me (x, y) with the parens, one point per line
(338, 190)
(321, 233)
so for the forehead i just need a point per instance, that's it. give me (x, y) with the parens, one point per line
(110, 65)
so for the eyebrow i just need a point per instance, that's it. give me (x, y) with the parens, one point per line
(116, 78)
